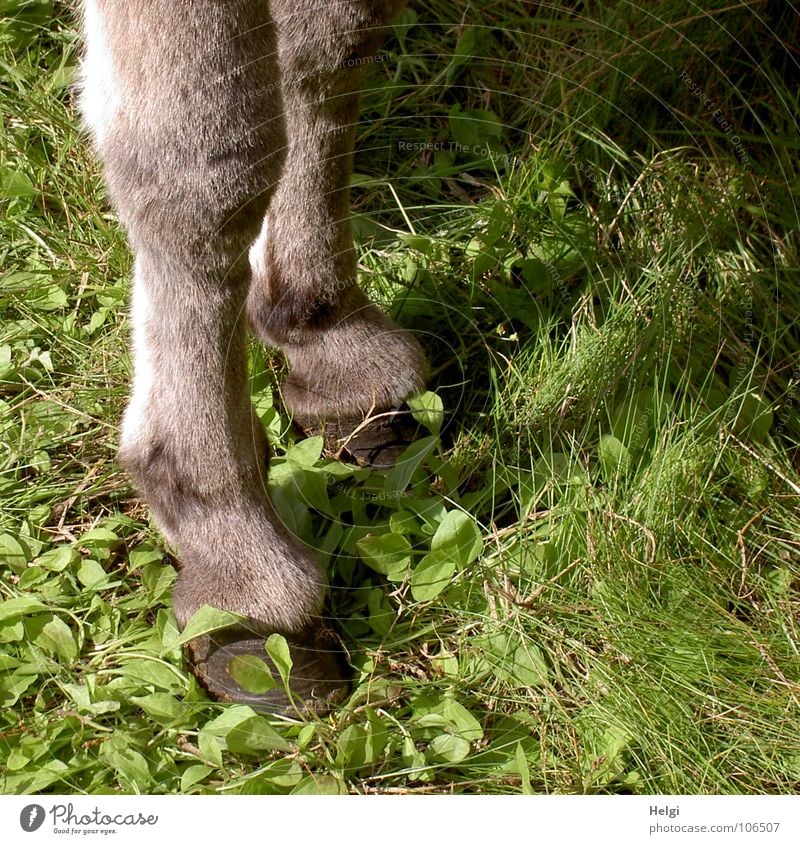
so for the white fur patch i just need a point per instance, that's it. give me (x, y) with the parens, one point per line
(258, 252)
(100, 96)
(143, 371)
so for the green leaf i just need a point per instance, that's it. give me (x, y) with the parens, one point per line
(157, 581)
(523, 769)
(432, 575)
(206, 620)
(419, 242)
(149, 672)
(97, 320)
(754, 418)
(306, 452)
(381, 614)
(459, 536)
(61, 77)
(450, 748)
(403, 522)
(465, 724)
(520, 664)
(243, 732)
(606, 745)
(193, 775)
(58, 558)
(399, 476)
(164, 708)
(388, 554)
(6, 364)
(297, 488)
(99, 539)
(255, 735)
(16, 184)
(251, 673)
(320, 784)
(144, 554)
(635, 418)
(231, 717)
(465, 47)
(12, 630)
(278, 650)
(91, 574)
(352, 748)
(377, 736)
(445, 664)
(428, 410)
(474, 129)
(13, 552)
(129, 765)
(284, 773)
(430, 509)
(15, 684)
(20, 607)
(48, 297)
(558, 469)
(56, 638)
(35, 781)
(447, 714)
(210, 750)
(615, 459)
(7, 662)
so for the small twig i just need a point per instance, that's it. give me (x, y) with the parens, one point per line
(498, 533)
(378, 705)
(793, 486)
(74, 410)
(646, 531)
(401, 207)
(345, 441)
(415, 789)
(782, 678)
(591, 548)
(511, 594)
(633, 188)
(67, 504)
(489, 602)
(743, 552)
(185, 745)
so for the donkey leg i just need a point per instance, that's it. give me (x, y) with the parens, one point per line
(346, 357)
(192, 142)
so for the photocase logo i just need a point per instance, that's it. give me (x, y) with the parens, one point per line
(31, 817)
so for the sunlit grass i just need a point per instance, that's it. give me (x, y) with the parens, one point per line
(607, 287)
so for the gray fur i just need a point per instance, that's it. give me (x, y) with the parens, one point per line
(230, 111)
(346, 356)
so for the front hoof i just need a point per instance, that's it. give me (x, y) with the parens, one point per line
(319, 679)
(376, 442)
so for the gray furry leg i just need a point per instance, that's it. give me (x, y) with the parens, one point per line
(192, 141)
(199, 455)
(346, 357)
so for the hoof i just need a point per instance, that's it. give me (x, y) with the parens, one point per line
(375, 442)
(319, 680)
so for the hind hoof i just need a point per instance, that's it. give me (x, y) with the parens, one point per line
(376, 442)
(319, 679)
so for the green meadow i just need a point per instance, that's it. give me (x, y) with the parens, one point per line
(585, 578)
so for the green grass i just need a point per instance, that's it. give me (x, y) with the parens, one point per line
(590, 584)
